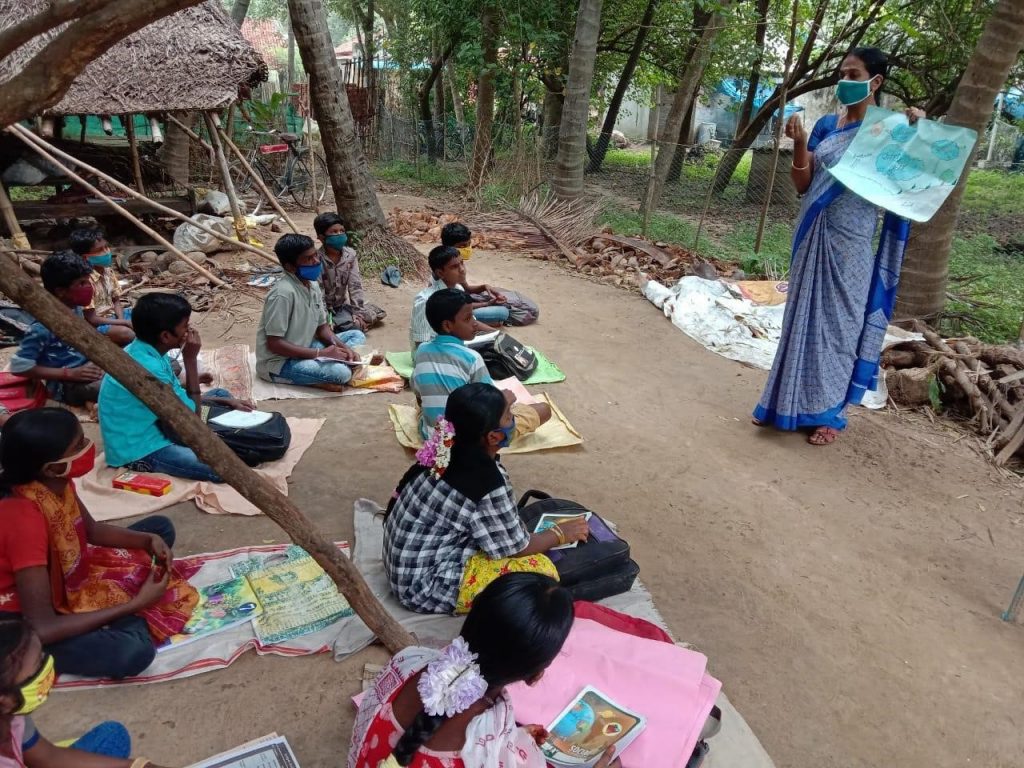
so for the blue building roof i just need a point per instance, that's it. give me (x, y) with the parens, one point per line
(736, 89)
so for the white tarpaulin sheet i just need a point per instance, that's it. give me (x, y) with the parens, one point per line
(717, 316)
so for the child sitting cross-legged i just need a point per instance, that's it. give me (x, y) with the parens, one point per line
(106, 310)
(132, 436)
(443, 365)
(68, 374)
(26, 677)
(452, 525)
(341, 282)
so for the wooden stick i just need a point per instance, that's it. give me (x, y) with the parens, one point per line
(160, 399)
(983, 408)
(1015, 439)
(133, 151)
(128, 215)
(225, 176)
(27, 136)
(985, 382)
(18, 236)
(264, 190)
(191, 134)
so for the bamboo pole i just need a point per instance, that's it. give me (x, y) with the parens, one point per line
(18, 236)
(773, 169)
(260, 184)
(133, 151)
(128, 215)
(225, 176)
(30, 138)
(160, 399)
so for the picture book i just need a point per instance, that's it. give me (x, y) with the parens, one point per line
(222, 606)
(296, 596)
(587, 727)
(271, 751)
(550, 520)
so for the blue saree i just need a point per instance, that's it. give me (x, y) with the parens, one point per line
(842, 290)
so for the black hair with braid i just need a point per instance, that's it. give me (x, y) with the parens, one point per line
(517, 626)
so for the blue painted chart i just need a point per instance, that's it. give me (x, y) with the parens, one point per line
(906, 169)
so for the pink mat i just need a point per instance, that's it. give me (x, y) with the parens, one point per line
(667, 684)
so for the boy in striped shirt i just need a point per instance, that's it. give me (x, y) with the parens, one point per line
(443, 365)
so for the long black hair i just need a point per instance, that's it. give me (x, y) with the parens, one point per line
(15, 636)
(31, 440)
(516, 626)
(473, 410)
(876, 62)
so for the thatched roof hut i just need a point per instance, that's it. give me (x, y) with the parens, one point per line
(193, 60)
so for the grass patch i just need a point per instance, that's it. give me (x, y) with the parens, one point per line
(423, 176)
(664, 227)
(996, 281)
(996, 193)
(31, 194)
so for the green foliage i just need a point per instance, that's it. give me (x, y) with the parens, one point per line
(994, 193)
(423, 176)
(988, 284)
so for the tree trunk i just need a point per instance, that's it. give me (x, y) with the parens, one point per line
(354, 189)
(926, 267)
(174, 153)
(612, 115)
(239, 11)
(760, 32)
(489, 21)
(457, 109)
(567, 182)
(551, 118)
(686, 92)
(160, 399)
(683, 144)
(423, 99)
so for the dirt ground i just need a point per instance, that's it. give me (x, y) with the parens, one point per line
(848, 597)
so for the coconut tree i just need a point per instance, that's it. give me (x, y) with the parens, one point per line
(926, 267)
(567, 182)
(354, 188)
(490, 22)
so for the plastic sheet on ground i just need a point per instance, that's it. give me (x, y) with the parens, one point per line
(719, 316)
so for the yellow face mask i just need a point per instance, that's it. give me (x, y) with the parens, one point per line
(466, 252)
(35, 691)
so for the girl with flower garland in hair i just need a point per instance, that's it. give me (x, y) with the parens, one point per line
(452, 526)
(448, 709)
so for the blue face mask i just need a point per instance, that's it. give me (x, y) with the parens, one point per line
(337, 242)
(506, 433)
(310, 272)
(850, 92)
(101, 260)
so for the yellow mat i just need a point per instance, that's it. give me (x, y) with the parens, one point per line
(557, 433)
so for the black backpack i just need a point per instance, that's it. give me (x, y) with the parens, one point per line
(595, 569)
(505, 357)
(268, 441)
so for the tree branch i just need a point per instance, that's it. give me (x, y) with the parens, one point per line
(45, 79)
(54, 15)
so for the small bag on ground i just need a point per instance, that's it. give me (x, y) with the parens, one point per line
(268, 441)
(505, 357)
(596, 568)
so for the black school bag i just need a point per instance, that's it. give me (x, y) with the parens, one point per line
(505, 357)
(268, 441)
(595, 569)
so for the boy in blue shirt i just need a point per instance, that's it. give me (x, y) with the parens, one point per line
(68, 374)
(443, 365)
(132, 436)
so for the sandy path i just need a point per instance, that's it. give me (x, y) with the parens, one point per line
(848, 597)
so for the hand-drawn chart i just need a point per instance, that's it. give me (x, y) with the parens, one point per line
(907, 169)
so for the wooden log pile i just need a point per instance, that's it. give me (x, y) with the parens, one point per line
(981, 383)
(499, 232)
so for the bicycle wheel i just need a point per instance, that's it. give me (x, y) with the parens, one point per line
(302, 183)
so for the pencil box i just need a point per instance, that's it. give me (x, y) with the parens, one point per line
(148, 485)
(599, 567)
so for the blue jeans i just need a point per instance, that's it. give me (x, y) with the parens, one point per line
(180, 460)
(496, 314)
(310, 373)
(110, 739)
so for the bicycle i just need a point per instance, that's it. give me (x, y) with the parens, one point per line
(295, 179)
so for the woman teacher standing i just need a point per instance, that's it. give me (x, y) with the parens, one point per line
(841, 287)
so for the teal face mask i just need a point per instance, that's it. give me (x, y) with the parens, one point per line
(101, 260)
(337, 242)
(850, 92)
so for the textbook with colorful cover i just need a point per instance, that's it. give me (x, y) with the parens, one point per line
(222, 606)
(587, 727)
(271, 751)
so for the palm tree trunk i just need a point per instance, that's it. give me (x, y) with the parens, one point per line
(489, 21)
(239, 10)
(612, 115)
(354, 188)
(686, 92)
(175, 150)
(551, 114)
(926, 266)
(567, 183)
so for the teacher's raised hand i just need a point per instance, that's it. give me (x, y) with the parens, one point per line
(795, 130)
(914, 114)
